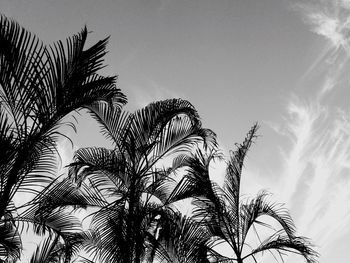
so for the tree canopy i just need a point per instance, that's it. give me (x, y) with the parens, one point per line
(132, 192)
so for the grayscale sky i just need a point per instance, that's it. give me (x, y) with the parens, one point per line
(281, 63)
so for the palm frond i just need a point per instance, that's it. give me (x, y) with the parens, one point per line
(159, 185)
(180, 135)
(21, 57)
(149, 121)
(51, 210)
(72, 77)
(40, 168)
(283, 243)
(61, 194)
(196, 181)
(113, 121)
(10, 241)
(48, 251)
(234, 169)
(106, 169)
(251, 211)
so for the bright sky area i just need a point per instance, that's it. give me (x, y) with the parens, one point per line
(281, 63)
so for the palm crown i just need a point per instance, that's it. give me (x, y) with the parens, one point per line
(230, 219)
(39, 85)
(134, 173)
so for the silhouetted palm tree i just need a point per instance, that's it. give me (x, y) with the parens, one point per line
(133, 175)
(40, 85)
(229, 218)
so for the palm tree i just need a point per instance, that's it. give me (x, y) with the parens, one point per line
(39, 86)
(230, 219)
(136, 175)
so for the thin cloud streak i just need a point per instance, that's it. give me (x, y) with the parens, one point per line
(316, 176)
(316, 171)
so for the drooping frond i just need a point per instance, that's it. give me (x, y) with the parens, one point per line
(149, 121)
(107, 170)
(196, 181)
(163, 126)
(181, 135)
(282, 243)
(259, 206)
(51, 210)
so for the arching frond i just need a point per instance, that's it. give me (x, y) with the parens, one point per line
(114, 122)
(106, 169)
(196, 181)
(259, 206)
(282, 243)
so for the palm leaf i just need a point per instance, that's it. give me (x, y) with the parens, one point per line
(48, 251)
(96, 160)
(283, 243)
(10, 241)
(234, 169)
(251, 211)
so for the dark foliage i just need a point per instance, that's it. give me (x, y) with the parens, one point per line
(159, 155)
(229, 219)
(133, 175)
(39, 85)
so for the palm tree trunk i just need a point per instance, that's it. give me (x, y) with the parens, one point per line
(130, 240)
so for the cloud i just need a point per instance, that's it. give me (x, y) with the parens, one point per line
(316, 171)
(329, 19)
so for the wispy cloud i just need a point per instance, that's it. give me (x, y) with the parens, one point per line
(329, 19)
(317, 172)
(317, 165)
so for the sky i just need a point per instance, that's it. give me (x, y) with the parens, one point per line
(281, 63)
